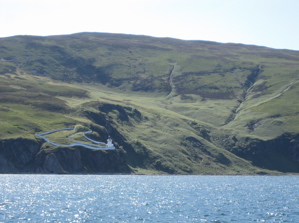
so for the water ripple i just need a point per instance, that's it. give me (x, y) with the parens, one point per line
(94, 198)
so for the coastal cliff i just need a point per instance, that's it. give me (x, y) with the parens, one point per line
(18, 155)
(29, 156)
(280, 153)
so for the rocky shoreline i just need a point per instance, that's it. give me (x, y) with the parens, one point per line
(30, 156)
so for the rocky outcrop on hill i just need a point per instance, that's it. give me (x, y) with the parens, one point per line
(81, 160)
(17, 155)
(29, 156)
(281, 153)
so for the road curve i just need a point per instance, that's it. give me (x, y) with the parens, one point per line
(103, 145)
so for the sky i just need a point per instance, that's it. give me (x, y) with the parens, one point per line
(271, 23)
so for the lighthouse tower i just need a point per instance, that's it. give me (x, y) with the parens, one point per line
(109, 142)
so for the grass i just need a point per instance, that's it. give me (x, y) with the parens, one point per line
(28, 106)
(270, 114)
(160, 133)
(56, 80)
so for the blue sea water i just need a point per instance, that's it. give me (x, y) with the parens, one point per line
(125, 198)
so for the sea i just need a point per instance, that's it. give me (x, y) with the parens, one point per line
(143, 198)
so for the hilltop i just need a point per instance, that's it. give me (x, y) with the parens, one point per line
(170, 106)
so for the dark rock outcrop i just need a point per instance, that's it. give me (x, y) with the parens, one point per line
(17, 155)
(281, 153)
(136, 154)
(81, 160)
(29, 156)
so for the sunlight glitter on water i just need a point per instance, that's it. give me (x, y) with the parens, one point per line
(60, 198)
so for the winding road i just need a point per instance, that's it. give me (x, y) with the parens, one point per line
(103, 145)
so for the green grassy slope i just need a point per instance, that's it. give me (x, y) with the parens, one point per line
(176, 106)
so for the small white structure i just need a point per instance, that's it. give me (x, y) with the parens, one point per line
(109, 142)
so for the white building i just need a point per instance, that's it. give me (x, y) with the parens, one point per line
(109, 142)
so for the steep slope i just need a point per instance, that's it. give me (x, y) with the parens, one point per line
(171, 106)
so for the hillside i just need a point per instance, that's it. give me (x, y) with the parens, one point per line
(170, 106)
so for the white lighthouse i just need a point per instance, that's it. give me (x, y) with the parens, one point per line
(109, 143)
